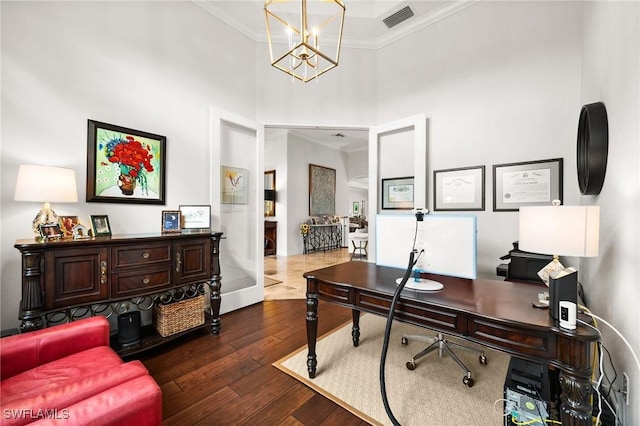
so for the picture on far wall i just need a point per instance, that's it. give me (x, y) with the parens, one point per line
(531, 183)
(124, 165)
(459, 189)
(397, 193)
(322, 190)
(233, 185)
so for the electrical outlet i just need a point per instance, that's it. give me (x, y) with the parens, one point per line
(625, 387)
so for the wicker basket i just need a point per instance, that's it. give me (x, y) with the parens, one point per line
(179, 316)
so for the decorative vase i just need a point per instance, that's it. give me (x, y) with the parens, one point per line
(127, 184)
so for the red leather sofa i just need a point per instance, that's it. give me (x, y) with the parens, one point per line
(68, 374)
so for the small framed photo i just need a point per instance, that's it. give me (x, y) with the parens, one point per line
(531, 183)
(100, 226)
(195, 217)
(171, 221)
(66, 225)
(459, 189)
(397, 193)
(50, 231)
(80, 232)
(356, 208)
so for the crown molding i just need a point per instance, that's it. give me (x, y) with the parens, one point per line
(394, 35)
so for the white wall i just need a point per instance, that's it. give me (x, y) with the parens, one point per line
(499, 83)
(611, 74)
(330, 101)
(152, 66)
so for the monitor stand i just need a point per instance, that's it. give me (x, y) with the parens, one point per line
(421, 285)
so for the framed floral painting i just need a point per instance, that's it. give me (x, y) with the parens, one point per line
(124, 165)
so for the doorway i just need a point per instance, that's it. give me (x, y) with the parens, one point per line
(288, 152)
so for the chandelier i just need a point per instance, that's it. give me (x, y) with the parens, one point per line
(297, 25)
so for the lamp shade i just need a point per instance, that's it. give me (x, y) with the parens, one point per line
(46, 184)
(560, 230)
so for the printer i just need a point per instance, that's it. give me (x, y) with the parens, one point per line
(523, 265)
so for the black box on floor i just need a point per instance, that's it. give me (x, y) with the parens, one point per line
(129, 328)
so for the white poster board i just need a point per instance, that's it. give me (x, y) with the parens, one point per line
(449, 243)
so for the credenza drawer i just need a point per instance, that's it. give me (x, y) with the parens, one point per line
(134, 282)
(140, 255)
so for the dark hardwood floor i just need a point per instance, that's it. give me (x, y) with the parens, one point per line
(229, 380)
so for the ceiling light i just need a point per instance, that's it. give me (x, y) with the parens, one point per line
(294, 31)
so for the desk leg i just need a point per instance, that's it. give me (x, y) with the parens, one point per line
(575, 407)
(355, 329)
(312, 333)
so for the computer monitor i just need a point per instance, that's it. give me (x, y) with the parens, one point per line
(448, 244)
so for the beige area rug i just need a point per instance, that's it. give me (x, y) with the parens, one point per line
(270, 281)
(432, 394)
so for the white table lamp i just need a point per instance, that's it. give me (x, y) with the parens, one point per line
(46, 185)
(560, 231)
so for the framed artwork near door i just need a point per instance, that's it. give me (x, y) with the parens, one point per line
(322, 190)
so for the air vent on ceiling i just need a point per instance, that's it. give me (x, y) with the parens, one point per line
(400, 16)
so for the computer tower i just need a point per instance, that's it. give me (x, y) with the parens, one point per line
(529, 393)
(129, 328)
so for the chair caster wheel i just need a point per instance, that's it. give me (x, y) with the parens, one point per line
(405, 341)
(467, 381)
(411, 365)
(483, 360)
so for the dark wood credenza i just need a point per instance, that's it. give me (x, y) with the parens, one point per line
(69, 279)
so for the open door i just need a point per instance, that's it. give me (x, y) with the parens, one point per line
(237, 203)
(396, 149)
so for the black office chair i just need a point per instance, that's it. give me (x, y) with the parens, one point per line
(443, 347)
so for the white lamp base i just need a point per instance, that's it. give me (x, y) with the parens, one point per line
(46, 216)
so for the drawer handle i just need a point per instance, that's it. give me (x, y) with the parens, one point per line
(145, 255)
(178, 262)
(145, 281)
(103, 272)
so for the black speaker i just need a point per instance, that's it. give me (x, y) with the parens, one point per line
(562, 289)
(129, 328)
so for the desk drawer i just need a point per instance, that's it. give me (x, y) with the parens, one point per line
(433, 317)
(335, 294)
(140, 255)
(138, 282)
(511, 339)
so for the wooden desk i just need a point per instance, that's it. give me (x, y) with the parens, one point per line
(496, 314)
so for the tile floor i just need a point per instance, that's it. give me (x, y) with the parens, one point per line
(289, 270)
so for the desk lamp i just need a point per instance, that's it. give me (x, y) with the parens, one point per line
(45, 184)
(560, 231)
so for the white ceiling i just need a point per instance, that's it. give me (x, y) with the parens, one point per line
(363, 28)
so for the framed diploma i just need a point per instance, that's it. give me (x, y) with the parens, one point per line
(397, 193)
(532, 183)
(459, 189)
